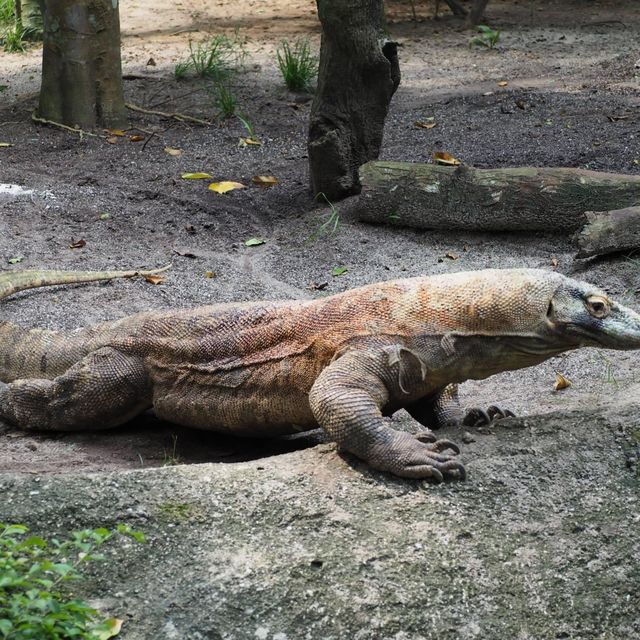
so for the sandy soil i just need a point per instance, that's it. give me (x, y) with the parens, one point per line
(572, 98)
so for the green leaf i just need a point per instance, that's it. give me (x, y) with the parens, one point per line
(254, 242)
(108, 629)
(338, 271)
(13, 529)
(5, 627)
(104, 216)
(15, 260)
(199, 175)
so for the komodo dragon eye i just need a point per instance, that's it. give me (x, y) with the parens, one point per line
(598, 306)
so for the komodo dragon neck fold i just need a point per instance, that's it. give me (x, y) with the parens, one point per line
(343, 362)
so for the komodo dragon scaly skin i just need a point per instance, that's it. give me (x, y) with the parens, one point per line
(343, 362)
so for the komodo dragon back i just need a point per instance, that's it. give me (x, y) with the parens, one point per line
(344, 363)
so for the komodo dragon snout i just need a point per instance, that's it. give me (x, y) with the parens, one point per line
(344, 362)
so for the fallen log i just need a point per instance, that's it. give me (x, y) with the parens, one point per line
(609, 232)
(429, 196)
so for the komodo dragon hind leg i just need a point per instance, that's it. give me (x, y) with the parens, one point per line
(104, 389)
(347, 400)
(13, 281)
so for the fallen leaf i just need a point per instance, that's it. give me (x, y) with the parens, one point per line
(249, 141)
(442, 157)
(614, 118)
(190, 229)
(425, 125)
(15, 260)
(318, 286)
(338, 271)
(561, 382)
(185, 254)
(77, 244)
(136, 138)
(226, 185)
(265, 181)
(4, 145)
(502, 83)
(154, 279)
(554, 262)
(465, 247)
(254, 242)
(209, 274)
(451, 256)
(104, 216)
(116, 132)
(173, 152)
(196, 176)
(108, 629)
(151, 62)
(488, 93)
(521, 104)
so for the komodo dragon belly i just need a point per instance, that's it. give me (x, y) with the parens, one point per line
(249, 400)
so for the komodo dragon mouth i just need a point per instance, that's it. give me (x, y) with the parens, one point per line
(344, 362)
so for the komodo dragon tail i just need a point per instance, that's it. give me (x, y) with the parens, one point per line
(13, 281)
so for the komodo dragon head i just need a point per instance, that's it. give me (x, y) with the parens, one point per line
(528, 315)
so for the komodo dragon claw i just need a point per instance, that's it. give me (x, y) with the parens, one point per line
(442, 444)
(478, 417)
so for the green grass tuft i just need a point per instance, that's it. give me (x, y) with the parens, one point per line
(297, 64)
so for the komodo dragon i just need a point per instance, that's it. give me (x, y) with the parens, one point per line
(344, 362)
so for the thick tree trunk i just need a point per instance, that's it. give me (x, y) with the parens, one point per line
(429, 196)
(477, 13)
(609, 232)
(358, 74)
(81, 72)
(30, 12)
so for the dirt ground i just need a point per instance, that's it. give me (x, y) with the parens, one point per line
(572, 98)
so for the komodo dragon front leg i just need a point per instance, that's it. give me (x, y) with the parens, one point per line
(104, 389)
(348, 400)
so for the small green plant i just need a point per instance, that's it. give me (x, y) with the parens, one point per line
(251, 132)
(34, 604)
(172, 458)
(216, 58)
(225, 101)
(488, 37)
(13, 39)
(331, 223)
(297, 64)
(7, 12)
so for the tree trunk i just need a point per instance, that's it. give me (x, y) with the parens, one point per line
(477, 13)
(358, 75)
(81, 72)
(429, 196)
(609, 232)
(30, 12)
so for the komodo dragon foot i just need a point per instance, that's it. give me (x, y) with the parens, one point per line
(478, 417)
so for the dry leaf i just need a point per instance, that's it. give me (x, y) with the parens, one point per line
(6, 144)
(151, 62)
(173, 152)
(425, 125)
(451, 256)
(226, 185)
(488, 93)
(77, 244)
(561, 382)
(442, 157)
(136, 138)
(254, 242)
(265, 181)
(318, 286)
(209, 274)
(554, 262)
(196, 176)
(249, 141)
(116, 132)
(502, 83)
(112, 140)
(113, 627)
(190, 229)
(185, 254)
(154, 279)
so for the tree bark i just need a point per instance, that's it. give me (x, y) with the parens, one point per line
(477, 13)
(609, 232)
(81, 70)
(30, 12)
(429, 196)
(358, 74)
